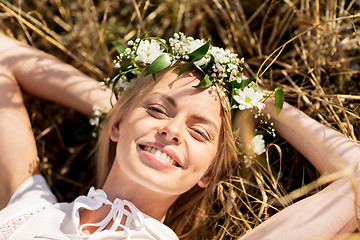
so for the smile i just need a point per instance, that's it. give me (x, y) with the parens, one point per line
(162, 156)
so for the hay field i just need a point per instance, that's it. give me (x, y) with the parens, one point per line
(310, 48)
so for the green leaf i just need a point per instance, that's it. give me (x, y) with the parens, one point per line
(194, 56)
(160, 63)
(113, 76)
(184, 69)
(205, 83)
(243, 83)
(246, 82)
(234, 107)
(199, 53)
(120, 48)
(210, 63)
(279, 99)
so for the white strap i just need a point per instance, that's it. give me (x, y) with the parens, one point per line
(116, 214)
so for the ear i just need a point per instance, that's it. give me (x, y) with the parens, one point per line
(115, 131)
(204, 180)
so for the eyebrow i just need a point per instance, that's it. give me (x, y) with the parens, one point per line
(206, 121)
(168, 98)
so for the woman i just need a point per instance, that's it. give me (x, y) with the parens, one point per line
(145, 180)
(190, 129)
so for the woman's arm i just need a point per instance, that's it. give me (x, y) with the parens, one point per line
(43, 75)
(332, 210)
(328, 150)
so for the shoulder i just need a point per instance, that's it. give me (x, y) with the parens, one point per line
(33, 210)
(158, 229)
(32, 194)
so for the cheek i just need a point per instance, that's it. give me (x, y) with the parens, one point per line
(134, 128)
(134, 124)
(203, 156)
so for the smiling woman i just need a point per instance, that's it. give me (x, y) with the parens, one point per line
(162, 148)
(168, 118)
(174, 131)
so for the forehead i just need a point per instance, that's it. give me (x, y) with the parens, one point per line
(181, 89)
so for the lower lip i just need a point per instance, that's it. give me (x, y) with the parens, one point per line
(152, 161)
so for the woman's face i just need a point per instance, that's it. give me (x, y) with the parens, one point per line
(167, 141)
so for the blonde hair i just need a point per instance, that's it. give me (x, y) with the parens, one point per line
(106, 148)
(187, 213)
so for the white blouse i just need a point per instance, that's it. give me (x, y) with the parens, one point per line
(33, 213)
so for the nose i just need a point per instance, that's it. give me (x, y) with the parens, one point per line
(172, 131)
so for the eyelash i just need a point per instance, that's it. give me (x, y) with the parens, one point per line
(202, 134)
(157, 110)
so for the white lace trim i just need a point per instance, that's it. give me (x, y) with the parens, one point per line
(10, 227)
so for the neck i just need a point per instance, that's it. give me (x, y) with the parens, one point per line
(147, 201)
(151, 203)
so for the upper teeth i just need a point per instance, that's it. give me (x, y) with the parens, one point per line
(161, 155)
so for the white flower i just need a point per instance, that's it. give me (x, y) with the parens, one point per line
(202, 62)
(128, 50)
(95, 120)
(182, 45)
(123, 83)
(117, 65)
(96, 110)
(249, 98)
(148, 51)
(219, 67)
(240, 78)
(194, 44)
(258, 144)
(176, 35)
(232, 67)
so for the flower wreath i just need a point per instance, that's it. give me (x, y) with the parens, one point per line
(221, 70)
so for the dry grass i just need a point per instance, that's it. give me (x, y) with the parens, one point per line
(309, 48)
